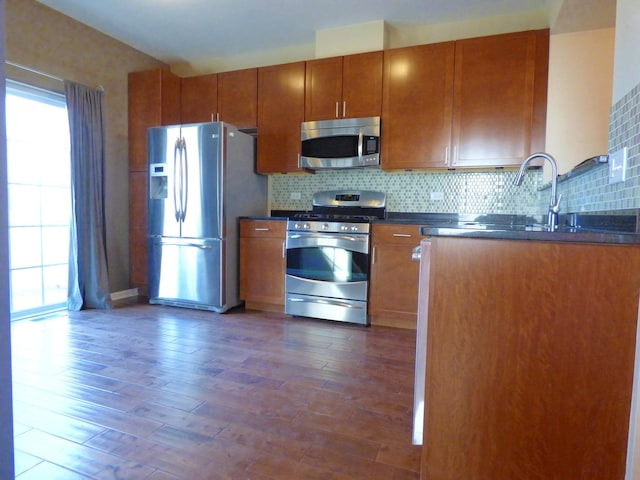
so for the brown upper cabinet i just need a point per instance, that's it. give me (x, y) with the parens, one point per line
(154, 99)
(344, 87)
(479, 102)
(280, 113)
(238, 97)
(417, 103)
(231, 97)
(500, 95)
(199, 99)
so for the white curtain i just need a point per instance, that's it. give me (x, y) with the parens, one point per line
(88, 274)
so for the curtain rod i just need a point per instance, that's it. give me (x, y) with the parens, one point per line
(44, 74)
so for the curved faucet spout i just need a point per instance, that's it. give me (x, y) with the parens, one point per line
(554, 202)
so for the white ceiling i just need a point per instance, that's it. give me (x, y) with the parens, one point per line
(177, 31)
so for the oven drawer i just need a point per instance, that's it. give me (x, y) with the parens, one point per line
(352, 311)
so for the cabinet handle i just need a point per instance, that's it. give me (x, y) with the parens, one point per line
(284, 250)
(344, 108)
(373, 256)
(446, 155)
(407, 235)
(337, 114)
(261, 229)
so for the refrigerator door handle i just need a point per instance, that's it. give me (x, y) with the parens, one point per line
(176, 150)
(184, 183)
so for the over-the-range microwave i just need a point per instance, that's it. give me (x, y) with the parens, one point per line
(343, 143)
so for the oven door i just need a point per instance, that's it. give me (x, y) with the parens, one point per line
(327, 275)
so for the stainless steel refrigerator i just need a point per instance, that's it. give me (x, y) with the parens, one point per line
(201, 179)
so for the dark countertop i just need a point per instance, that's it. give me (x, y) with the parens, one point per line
(564, 234)
(620, 227)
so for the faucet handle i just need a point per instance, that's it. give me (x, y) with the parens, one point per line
(556, 207)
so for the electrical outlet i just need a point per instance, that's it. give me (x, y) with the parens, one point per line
(295, 196)
(437, 196)
(618, 166)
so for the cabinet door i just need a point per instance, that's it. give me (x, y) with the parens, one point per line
(199, 99)
(262, 264)
(416, 106)
(323, 89)
(392, 265)
(154, 99)
(362, 85)
(496, 99)
(280, 113)
(238, 97)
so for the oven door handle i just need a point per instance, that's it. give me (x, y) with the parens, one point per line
(347, 242)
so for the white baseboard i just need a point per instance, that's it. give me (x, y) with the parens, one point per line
(132, 292)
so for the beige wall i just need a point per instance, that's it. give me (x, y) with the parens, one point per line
(350, 40)
(627, 63)
(46, 41)
(579, 97)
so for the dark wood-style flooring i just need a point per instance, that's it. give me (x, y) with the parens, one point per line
(153, 392)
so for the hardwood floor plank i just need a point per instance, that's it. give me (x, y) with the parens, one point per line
(158, 392)
(79, 458)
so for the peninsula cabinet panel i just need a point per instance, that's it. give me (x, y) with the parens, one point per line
(199, 99)
(280, 113)
(238, 97)
(262, 264)
(393, 289)
(344, 87)
(499, 99)
(416, 106)
(530, 359)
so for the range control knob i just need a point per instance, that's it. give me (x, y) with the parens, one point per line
(325, 226)
(354, 228)
(344, 228)
(306, 226)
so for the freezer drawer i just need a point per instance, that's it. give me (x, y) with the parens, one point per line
(187, 272)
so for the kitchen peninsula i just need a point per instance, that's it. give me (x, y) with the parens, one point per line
(530, 353)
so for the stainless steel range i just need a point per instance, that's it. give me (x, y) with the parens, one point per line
(327, 251)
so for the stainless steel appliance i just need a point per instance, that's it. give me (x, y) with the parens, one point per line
(201, 179)
(327, 265)
(343, 143)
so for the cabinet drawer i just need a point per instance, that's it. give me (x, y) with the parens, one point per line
(263, 228)
(398, 234)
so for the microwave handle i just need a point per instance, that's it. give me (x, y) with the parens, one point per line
(360, 141)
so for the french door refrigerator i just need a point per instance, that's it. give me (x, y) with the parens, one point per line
(201, 179)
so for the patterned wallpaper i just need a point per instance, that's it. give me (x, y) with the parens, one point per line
(591, 192)
(419, 192)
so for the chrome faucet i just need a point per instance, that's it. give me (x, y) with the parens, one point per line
(554, 203)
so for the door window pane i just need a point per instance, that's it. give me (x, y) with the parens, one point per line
(39, 177)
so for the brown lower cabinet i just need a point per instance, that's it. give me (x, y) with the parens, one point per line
(393, 287)
(530, 350)
(262, 264)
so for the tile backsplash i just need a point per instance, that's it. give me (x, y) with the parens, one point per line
(485, 192)
(460, 192)
(591, 192)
